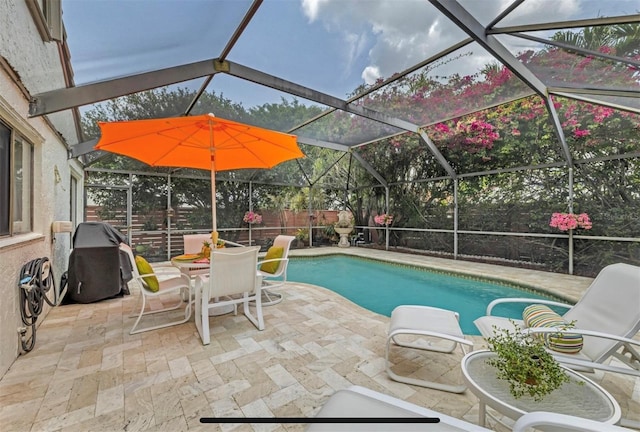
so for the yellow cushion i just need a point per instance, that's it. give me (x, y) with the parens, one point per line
(273, 253)
(538, 315)
(150, 282)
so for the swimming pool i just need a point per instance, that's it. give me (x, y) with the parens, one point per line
(380, 287)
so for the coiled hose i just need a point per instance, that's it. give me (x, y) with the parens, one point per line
(36, 279)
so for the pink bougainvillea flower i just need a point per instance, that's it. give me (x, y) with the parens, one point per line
(569, 221)
(383, 219)
(252, 218)
(579, 133)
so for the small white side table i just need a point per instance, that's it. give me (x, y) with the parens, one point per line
(588, 400)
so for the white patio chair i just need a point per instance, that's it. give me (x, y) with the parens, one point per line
(232, 280)
(607, 316)
(193, 242)
(274, 270)
(435, 324)
(193, 245)
(370, 407)
(178, 283)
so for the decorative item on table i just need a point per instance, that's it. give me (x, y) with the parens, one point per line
(252, 218)
(187, 257)
(383, 219)
(206, 249)
(570, 221)
(203, 260)
(522, 360)
(216, 240)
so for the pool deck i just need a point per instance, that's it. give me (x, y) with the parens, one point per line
(87, 373)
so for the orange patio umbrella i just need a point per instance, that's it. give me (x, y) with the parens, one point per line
(205, 142)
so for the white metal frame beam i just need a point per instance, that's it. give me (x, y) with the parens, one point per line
(66, 98)
(468, 23)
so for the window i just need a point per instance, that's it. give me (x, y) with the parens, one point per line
(47, 15)
(5, 158)
(16, 183)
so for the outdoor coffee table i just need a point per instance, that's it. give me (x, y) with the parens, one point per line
(588, 400)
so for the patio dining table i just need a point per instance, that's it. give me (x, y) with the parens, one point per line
(191, 264)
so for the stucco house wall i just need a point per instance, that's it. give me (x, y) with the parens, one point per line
(28, 63)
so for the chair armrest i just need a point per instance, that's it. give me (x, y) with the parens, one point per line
(525, 300)
(281, 270)
(226, 242)
(566, 422)
(460, 340)
(166, 272)
(272, 260)
(161, 274)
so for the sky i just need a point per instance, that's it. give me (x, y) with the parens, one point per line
(332, 46)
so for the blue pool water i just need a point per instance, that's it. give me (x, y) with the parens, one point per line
(380, 287)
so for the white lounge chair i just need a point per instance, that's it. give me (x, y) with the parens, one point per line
(361, 404)
(425, 322)
(278, 277)
(178, 283)
(232, 280)
(607, 316)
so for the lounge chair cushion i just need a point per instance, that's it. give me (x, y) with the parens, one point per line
(144, 268)
(538, 315)
(274, 252)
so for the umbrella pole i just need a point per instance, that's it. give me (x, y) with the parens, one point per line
(213, 194)
(213, 182)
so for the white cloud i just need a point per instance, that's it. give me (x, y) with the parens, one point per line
(399, 33)
(537, 11)
(356, 44)
(402, 33)
(370, 74)
(311, 7)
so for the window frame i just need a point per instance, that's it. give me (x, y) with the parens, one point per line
(5, 180)
(22, 191)
(47, 16)
(23, 223)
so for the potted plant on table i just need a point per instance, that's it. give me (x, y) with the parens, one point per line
(522, 360)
